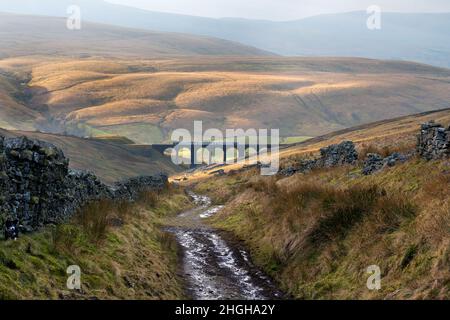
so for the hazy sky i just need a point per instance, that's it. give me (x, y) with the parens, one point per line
(281, 9)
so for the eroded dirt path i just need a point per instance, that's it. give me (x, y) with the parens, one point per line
(215, 267)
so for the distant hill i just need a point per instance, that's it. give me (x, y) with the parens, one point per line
(145, 100)
(416, 37)
(22, 35)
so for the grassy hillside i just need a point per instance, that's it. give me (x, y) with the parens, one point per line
(22, 35)
(145, 100)
(120, 249)
(109, 159)
(399, 134)
(317, 233)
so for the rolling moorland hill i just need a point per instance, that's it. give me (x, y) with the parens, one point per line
(427, 34)
(22, 35)
(145, 100)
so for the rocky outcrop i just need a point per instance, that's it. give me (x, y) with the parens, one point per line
(375, 162)
(37, 187)
(331, 156)
(433, 141)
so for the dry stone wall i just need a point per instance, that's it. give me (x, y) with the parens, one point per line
(433, 142)
(331, 156)
(38, 188)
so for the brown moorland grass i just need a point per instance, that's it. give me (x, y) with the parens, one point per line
(400, 220)
(316, 234)
(119, 247)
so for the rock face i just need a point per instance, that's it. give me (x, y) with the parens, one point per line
(375, 162)
(37, 187)
(433, 141)
(331, 156)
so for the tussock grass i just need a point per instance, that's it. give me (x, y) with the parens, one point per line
(317, 233)
(385, 150)
(342, 210)
(119, 247)
(150, 198)
(93, 218)
(371, 148)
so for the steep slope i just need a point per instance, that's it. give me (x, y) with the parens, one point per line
(405, 36)
(22, 35)
(145, 100)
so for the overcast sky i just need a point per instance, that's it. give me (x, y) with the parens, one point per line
(281, 9)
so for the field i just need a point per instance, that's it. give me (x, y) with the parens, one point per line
(392, 135)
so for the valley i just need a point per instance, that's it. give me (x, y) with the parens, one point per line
(263, 228)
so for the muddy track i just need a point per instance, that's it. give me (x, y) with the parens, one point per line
(215, 266)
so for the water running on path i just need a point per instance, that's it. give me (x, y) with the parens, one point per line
(214, 267)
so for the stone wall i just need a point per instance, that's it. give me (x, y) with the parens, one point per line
(338, 155)
(37, 187)
(433, 142)
(131, 188)
(331, 156)
(375, 162)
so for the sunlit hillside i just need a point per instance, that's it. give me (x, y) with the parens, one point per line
(146, 99)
